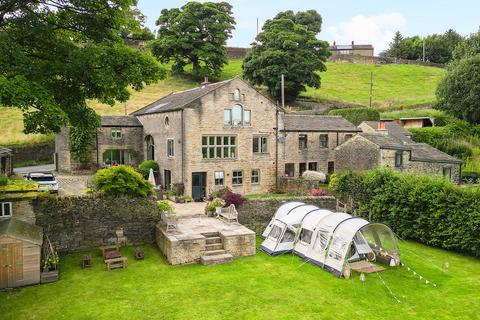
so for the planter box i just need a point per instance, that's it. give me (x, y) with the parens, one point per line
(49, 276)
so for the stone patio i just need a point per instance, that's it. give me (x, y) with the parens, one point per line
(207, 240)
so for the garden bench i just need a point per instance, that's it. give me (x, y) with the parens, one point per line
(229, 214)
(116, 263)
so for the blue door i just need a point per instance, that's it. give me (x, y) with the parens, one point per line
(199, 183)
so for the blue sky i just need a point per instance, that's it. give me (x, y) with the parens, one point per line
(366, 21)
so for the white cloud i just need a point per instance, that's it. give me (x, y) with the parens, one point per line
(376, 30)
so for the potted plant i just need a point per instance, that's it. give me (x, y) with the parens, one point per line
(164, 206)
(211, 207)
(188, 199)
(50, 267)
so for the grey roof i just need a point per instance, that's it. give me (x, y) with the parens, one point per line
(179, 100)
(120, 121)
(308, 122)
(394, 129)
(351, 47)
(21, 230)
(4, 150)
(425, 152)
(385, 141)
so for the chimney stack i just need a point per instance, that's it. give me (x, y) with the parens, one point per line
(381, 127)
(205, 82)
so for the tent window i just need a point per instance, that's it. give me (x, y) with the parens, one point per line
(306, 236)
(289, 236)
(322, 239)
(275, 232)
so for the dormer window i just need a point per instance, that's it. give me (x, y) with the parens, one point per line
(237, 116)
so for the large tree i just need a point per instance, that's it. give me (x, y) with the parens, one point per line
(56, 55)
(195, 34)
(286, 46)
(468, 48)
(459, 92)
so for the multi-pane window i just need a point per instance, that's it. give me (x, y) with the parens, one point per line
(6, 209)
(260, 145)
(227, 117)
(116, 133)
(237, 116)
(289, 169)
(302, 141)
(247, 117)
(302, 168)
(219, 147)
(237, 178)
(170, 148)
(312, 166)
(219, 178)
(255, 176)
(399, 159)
(324, 141)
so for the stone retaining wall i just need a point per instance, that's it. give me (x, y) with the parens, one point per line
(38, 152)
(84, 223)
(256, 213)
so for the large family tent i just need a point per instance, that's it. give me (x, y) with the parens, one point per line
(331, 240)
(281, 212)
(285, 228)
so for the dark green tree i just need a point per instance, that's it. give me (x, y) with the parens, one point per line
(56, 55)
(289, 48)
(468, 48)
(194, 34)
(459, 92)
(395, 48)
(136, 29)
(310, 18)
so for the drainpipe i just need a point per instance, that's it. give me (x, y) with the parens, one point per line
(276, 148)
(96, 143)
(183, 146)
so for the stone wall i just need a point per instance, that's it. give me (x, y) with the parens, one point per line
(357, 154)
(355, 58)
(256, 213)
(298, 184)
(38, 152)
(85, 223)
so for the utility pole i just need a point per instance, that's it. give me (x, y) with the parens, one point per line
(283, 91)
(371, 88)
(125, 105)
(257, 26)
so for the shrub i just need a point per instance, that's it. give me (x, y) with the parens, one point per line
(430, 210)
(3, 180)
(442, 138)
(214, 204)
(233, 198)
(145, 166)
(122, 181)
(357, 115)
(220, 192)
(164, 206)
(317, 192)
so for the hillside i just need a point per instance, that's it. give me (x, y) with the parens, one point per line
(395, 86)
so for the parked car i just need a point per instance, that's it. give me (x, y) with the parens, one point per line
(470, 177)
(47, 181)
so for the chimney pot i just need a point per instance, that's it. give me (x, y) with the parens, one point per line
(205, 82)
(353, 43)
(381, 126)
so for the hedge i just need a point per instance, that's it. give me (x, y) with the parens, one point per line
(429, 210)
(443, 138)
(357, 115)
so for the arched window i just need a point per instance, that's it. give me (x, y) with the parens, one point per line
(150, 148)
(237, 115)
(236, 95)
(167, 121)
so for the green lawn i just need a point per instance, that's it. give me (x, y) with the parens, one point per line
(395, 86)
(258, 287)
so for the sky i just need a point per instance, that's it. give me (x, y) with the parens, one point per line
(364, 22)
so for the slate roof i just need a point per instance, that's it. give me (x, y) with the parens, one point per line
(120, 121)
(394, 129)
(21, 230)
(4, 150)
(385, 141)
(351, 47)
(179, 100)
(425, 152)
(309, 122)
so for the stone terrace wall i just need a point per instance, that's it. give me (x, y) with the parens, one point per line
(256, 213)
(84, 223)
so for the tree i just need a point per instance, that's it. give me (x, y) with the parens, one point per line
(194, 34)
(136, 29)
(122, 181)
(395, 49)
(56, 55)
(459, 92)
(289, 48)
(468, 48)
(310, 19)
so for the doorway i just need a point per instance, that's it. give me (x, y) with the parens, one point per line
(331, 167)
(199, 184)
(11, 267)
(167, 178)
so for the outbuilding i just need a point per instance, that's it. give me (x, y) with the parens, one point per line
(20, 253)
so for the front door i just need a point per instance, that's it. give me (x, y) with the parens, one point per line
(11, 268)
(167, 177)
(331, 167)
(199, 184)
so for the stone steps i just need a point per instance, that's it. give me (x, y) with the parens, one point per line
(212, 240)
(211, 260)
(213, 246)
(210, 234)
(214, 252)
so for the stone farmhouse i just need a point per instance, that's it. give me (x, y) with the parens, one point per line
(228, 134)
(389, 144)
(351, 49)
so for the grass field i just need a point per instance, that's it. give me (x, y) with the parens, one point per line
(258, 287)
(395, 86)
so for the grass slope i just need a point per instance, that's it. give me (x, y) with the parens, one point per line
(395, 86)
(258, 287)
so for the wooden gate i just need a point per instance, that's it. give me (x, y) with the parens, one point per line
(11, 265)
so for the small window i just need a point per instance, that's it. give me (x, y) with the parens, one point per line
(260, 145)
(227, 117)
(324, 141)
(302, 168)
(399, 159)
(302, 141)
(167, 121)
(237, 96)
(6, 209)
(255, 176)
(289, 170)
(348, 136)
(237, 178)
(275, 232)
(306, 236)
(447, 172)
(116, 133)
(312, 166)
(246, 118)
(289, 236)
(219, 178)
(170, 148)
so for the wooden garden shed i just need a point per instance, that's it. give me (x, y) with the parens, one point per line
(20, 253)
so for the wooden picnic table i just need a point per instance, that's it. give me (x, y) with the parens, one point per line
(112, 254)
(120, 262)
(105, 249)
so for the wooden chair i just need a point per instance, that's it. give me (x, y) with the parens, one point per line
(121, 239)
(170, 221)
(139, 255)
(87, 261)
(229, 214)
